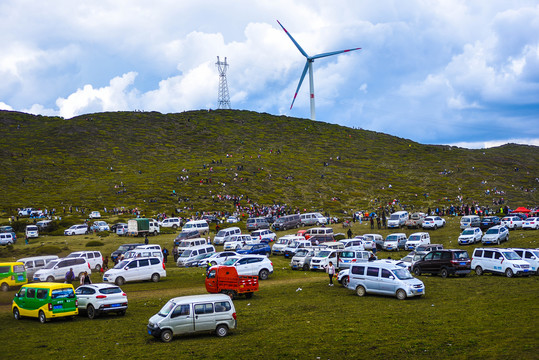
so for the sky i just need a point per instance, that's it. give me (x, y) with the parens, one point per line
(455, 72)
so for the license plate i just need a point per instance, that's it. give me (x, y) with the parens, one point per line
(149, 332)
(20, 278)
(462, 263)
(419, 290)
(315, 267)
(57, 307)
(116, 305)
(525, 270)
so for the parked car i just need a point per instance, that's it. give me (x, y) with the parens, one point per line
(95, 215)
(43, 225)
(7, 239)
(189, 256)
(299, 243)
(423, 249)
(309, 219)
(349, 257)
(232, 219)
(184, 235)
(136, 269)
(190, 314)
(411, 259)
(217, 258)
(97, 299)
(120, 229)
(470, 221)
(281, 244)
(444, 262)
(394, 242)
(495, 235)
(45, 301)
(100, 226)
(257, 223)
(172, 222)
(531, 223)
(531, 256)
(501, 261)
(323, 258)
(417, 239)
(56, 269)
(433, 222)
(122, 249)
(259, 249)
(94, 258)
(384, 278)
(34, 263)
(197, 260)
(251, 265)
(415, 221)
(489, 221)
(12, 274)
(264, 235)
(470, 236)
(236, 242)
(224, 235)
(397, 219)
(32, 231)
(512, 222)
(302, 258)
(80, 229)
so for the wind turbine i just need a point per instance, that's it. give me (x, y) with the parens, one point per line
(309, 65)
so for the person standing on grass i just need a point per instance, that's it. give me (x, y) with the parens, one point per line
(70, 276)
(330, 270)
(106, 263)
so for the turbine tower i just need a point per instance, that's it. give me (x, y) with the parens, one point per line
(222, 98)
(309, 65)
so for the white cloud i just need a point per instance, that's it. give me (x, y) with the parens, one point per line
(4, 106)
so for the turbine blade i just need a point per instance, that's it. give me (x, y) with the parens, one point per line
(294, 41)
(333, 53)
(300, 81)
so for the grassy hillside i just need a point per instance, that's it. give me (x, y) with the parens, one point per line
(51, 162)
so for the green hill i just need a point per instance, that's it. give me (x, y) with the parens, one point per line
(51, 162)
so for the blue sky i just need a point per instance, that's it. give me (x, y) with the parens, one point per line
(454, 72)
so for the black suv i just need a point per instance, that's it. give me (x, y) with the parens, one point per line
(444, 262)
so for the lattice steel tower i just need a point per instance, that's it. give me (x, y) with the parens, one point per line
(223, 97)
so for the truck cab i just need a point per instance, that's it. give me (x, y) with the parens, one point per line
(225, 279)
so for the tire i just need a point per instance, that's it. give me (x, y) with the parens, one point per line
(155, 277)
(305, 267)
(90, 311)
(360, 291)
(221, 330)
(155, 233)
(16, 314)
(435, 227)
(478, 270)
(213, 263)
(509, 273)
(98, 268)
(119, 281)
(174, 227)
(263, 274)
(444, 273)
(50, 279)
(249, 295)
(344, 281)
(42, 318)
(5, 287)
(231, 294)
(417, 271)
(166, 336)
(401, 294)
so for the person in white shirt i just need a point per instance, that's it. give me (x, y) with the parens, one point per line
(330, 270)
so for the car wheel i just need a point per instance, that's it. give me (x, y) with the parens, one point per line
(345, 281)
(119, 281)
(231, 294)
(98, 268)
(155, 277)
(249, 295)
(90, 311)
(478, 270)
(360, 291)
(305, 267)
(401, 294)
(444, 273)
(155, 233)
(166, 336)
(5, 287)
(509, 273)
(50, 279)
(213, 263)
(263, 274)
(86, 232)
(435, 227)
(174, 227)
(42, 317)
(16, 314)
(417, 271)
(121, 313)
(222, 330)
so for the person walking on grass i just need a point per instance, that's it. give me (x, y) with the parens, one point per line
(330, 270)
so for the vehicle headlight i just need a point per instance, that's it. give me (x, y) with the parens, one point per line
(517, 266)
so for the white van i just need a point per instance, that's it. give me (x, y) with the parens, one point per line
(531, 256)
(397, 219)
(349, 257)
(386, 278)
(199, 225)
(172, 222)
(153, 250)
(192, 252)
(503, 261)
(353, 244)
(190, 314)
(371, 240)
(470, 221)
(394, 242)
(94, 258)
(32, 231)
(282, 242)
(319, 235)
(225, 234)
(57, 269)
(134, 269)
(416, 239)
(315, 218)
(190, 243)
(322, 259)
(35, 263)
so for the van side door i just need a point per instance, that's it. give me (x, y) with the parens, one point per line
(372, 282)
(388, 284)
(204, 317)
(181, 320)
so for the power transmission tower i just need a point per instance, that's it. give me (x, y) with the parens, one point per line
(223, 97)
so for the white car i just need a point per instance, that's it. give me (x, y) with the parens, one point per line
(531, 223)
(101, 226)
(232, 220)
(502, 261)
(411, 259)
(80, 229)
(172, 222)
(95, 215)
(217, 258)
(531, 256)
(433, 222)
(417, 239)
(236, 242)
(251, 265)
(264, 235)
(495, 235)
(134, 269)
(512, 222)
(95, 299)
(94, 258)
(470, 235)
(32, 231)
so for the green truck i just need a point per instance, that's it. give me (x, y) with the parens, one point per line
(142, 226)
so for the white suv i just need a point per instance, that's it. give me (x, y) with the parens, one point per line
(172, 222)
(531, 256)
(416, 239)
(495, 235)
(264, 235)
(77, 230)
(470, 235)
(217, 258)
(503, 261)
(251, 265)
(57, 269)
(236, 242)
(134, 269)
(512, 222)
(94, 258)
(95, 299)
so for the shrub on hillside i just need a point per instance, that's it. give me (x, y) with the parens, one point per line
(94, 243)
(103, 234)
(167, 230)
(47, 250)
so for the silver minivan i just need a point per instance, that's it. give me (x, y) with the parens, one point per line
(224, 235)
(470, 221)
(196, 313)
(384, 277)
(191, 253)
(35, 263)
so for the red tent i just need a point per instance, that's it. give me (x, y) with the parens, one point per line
(521, 209)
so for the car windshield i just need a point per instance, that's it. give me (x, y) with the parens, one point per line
(461, 255)
(184, 244)
(186, 253)
(165, 310)
(121, 264)
(511, 255)
(402, 274)
(123, 248)
(487, 220)
(492, 231)
(62, 293)
(221, 233)
(302, 253)
(282, 241)
(110, 290)
(536, 253)
(414, 237)
(391, 238)
(407, 258)
(51, 264)
(468, 232)
(230, 261)
(324, 253)
(247, 247)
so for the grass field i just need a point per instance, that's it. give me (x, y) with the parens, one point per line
(481, 317)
